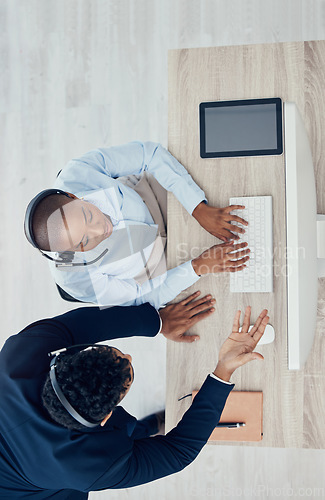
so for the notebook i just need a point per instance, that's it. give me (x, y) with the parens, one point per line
(241, 406)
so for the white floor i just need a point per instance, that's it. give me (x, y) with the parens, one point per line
(75, 75)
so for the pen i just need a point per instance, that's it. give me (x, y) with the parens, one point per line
(231, 425)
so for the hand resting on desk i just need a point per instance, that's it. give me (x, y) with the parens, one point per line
(238, 349)
(178, 318)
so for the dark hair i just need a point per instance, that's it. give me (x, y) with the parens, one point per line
(93, 382)
(43, 211)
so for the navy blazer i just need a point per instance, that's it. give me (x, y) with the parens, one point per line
(41, 459)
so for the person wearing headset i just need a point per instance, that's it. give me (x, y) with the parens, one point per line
(62, 430)
(108, 209)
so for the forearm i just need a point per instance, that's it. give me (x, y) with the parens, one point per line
(174, 177)
(108, 290)
(163, 289)
(160, 456)
(94, 324)
(85, 173)
(137, 157)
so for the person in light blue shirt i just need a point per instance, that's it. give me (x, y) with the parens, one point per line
(105, 211)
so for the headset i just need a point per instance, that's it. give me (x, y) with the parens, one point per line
(66, 258)
(61, 397)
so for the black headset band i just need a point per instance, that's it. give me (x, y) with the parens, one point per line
(58, 392)
(30, 210)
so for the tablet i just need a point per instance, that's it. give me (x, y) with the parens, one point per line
(252, 127)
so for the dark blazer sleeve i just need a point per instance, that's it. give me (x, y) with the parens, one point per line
(159, 456)
(88, 325)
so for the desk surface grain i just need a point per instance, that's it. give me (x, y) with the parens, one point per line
(294, 401)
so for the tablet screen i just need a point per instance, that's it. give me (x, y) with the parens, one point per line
(241, 128)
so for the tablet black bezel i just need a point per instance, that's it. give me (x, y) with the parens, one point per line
(246, 102)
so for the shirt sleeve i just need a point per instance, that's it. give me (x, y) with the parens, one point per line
(160, 326)
(220, 380)
(160, 456)
(107, 290)
(92, 324)
(133, 158)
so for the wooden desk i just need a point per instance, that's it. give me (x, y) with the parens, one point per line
(294, 402)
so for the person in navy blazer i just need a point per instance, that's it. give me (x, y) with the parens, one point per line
(41, 458)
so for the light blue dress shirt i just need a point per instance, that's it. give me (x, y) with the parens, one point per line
(94, 177)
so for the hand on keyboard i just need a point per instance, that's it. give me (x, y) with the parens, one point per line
(218, 221)
(226, 257)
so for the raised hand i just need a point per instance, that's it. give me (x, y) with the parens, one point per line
(178, 318)
(239, 347)
(218, 221)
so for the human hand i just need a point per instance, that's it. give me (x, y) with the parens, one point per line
(217, 221)
(238, 349)
(221, 258)
(178, 318)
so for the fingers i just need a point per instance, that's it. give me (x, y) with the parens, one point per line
(189, 338)
(238, 262)
(246, 358)
(231, 266)
(236, 218)
(258, 322)
(191, 297)
(230, 208)
(226, 244)
(257, 355)
(227, 237)
(196, 306)
(235, 326)
(200, 305)
(246, 321)
(200, 316)
(234, 269)
(234, 227)
(258, 334)
(230, 247)
(240, 253)
(224, 257)
(238, 246)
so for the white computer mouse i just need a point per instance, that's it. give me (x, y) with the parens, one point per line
(268, 335)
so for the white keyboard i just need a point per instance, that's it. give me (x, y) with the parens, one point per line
(258, 275)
